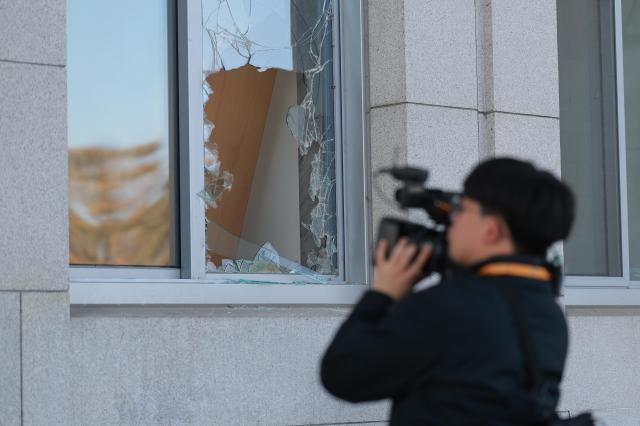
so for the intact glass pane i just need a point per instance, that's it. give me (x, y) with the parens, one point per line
(631, 58)
(270, 147)
(588, 134)
(121, 207)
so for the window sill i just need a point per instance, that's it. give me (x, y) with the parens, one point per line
(600, 296)
(600, 291)
(210, 292)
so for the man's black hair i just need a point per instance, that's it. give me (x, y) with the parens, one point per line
(538, 208)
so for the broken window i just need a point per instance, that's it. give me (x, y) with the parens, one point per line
(270, 144)
(121, 206)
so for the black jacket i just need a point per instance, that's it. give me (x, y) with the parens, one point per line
(449, 355)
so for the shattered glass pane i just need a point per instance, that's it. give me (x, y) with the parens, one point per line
(121, 205)
(269, 148)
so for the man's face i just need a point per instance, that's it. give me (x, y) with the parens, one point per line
(467, 234)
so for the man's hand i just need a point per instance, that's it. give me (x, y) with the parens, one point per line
(396, 275)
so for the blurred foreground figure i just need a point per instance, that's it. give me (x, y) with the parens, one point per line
(487, 345)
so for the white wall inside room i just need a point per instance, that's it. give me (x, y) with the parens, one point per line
(273, 212)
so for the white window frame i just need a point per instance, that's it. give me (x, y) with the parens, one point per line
(190, 284)
(607, 290)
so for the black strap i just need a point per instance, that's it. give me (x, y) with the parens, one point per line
(539, 393)
(532, 365)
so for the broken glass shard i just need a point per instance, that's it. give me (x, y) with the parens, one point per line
(211, 161)
(295, 121)
(214, 190)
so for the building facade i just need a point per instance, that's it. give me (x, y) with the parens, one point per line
(446, 85)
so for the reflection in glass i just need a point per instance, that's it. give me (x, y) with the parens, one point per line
(631, 58)
(120, 204)
(588, 134)
(270, 156)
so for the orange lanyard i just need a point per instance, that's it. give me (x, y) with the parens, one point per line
(523, 270)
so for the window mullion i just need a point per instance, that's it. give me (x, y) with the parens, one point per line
(337, 89)
(355, 149)
(191, 156)
(622, 149)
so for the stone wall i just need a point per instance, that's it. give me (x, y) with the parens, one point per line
(450, 83)
(34, 303)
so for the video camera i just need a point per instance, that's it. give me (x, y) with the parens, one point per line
(436, 203)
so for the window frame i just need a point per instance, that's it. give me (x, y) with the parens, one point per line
(581, 290)
(191, 284)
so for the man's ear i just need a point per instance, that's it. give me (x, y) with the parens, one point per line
(493, 231)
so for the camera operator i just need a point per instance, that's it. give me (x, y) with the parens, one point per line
(453, 354)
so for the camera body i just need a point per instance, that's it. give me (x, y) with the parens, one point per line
(436, 203)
